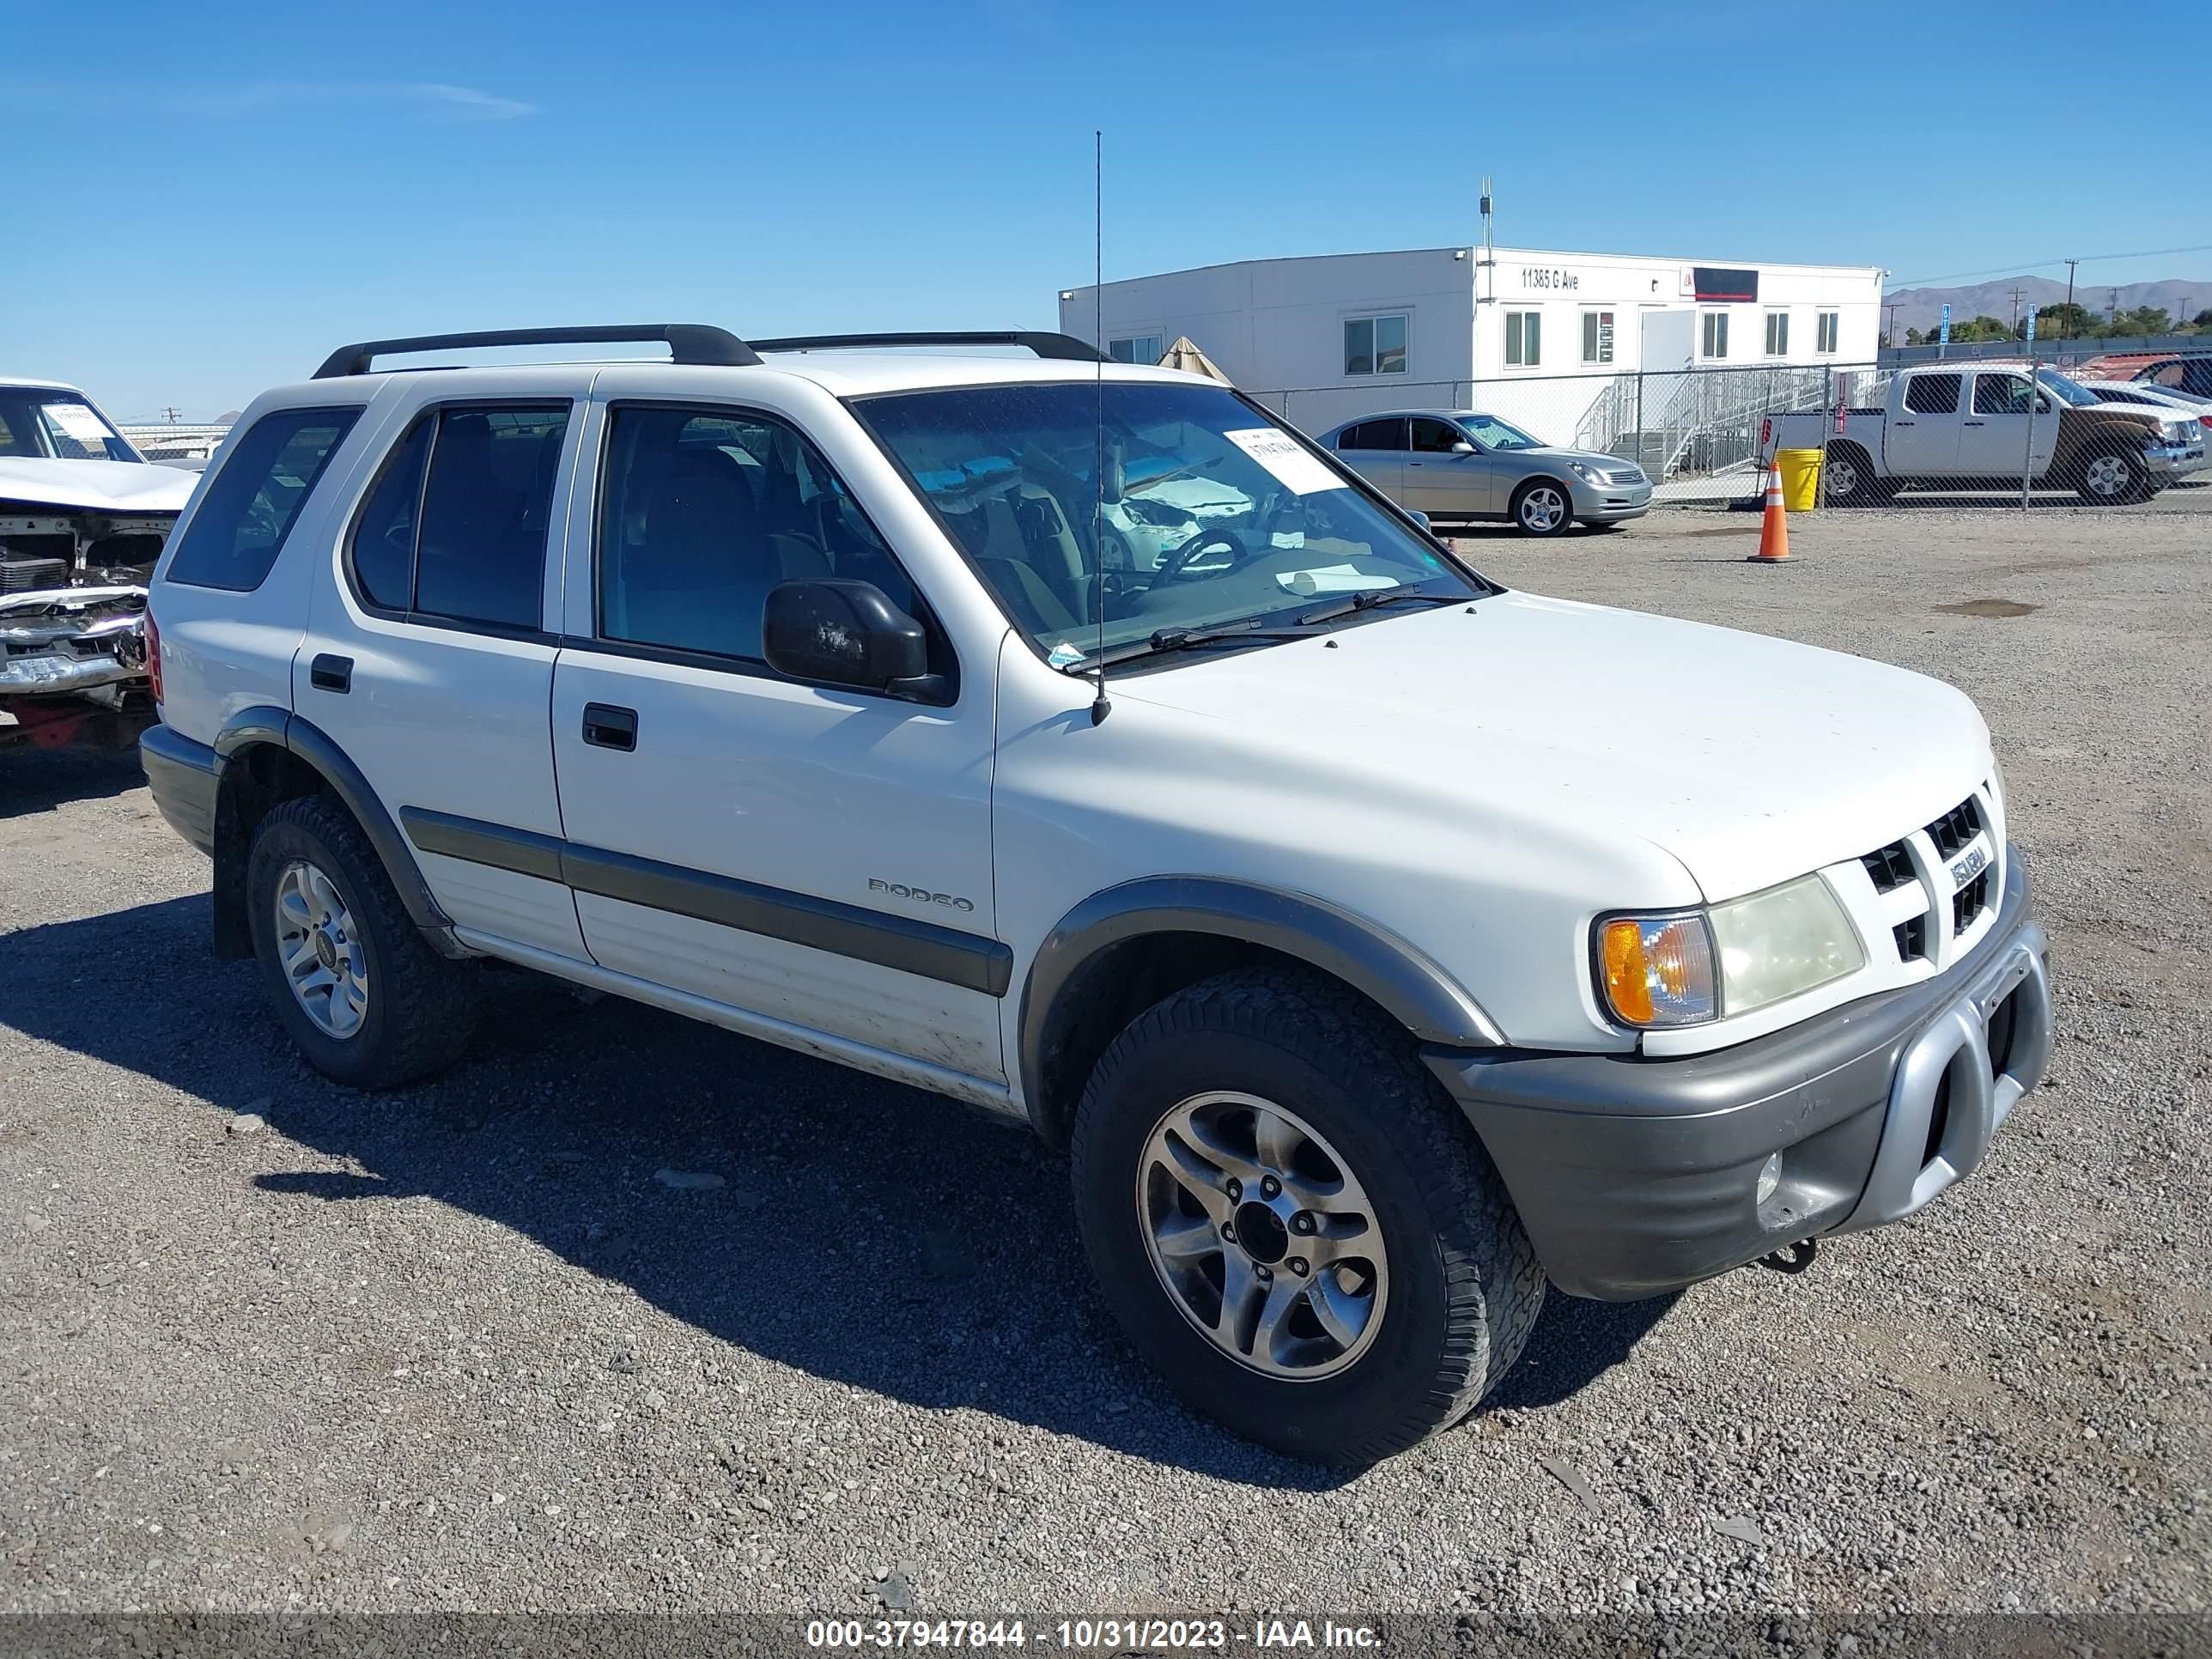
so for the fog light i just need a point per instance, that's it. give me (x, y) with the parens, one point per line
(1769, 1177)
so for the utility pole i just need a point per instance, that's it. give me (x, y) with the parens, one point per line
(1890, 333)
(171, 411)
(2017, 294)
(2070, 263)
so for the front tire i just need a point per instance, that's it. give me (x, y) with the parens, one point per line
(2112, 477)
(360, 993)
(1543, 508)
(1373, 1281)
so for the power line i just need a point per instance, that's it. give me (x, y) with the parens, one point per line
(2036, 265)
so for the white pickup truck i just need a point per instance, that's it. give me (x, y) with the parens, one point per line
(1975, 424)
(1379, 941)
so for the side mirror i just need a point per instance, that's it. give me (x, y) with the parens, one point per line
(1419, 518)
(846, 633)
(1463, 448)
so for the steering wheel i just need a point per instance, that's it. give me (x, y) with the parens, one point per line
(1172, 568)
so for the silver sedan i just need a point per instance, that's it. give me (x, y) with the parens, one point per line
(1463, 465)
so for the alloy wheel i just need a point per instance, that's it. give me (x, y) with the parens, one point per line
(1262, 1236)
(2107, 475)
(1543, 509)
(325, 962)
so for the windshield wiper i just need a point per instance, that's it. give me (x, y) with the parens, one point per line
(1371, 598)
(1184, 638)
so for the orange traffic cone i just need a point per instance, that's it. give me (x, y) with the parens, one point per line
(1774, 528)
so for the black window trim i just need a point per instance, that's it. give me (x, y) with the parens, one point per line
(855, 406)
(352, 412)
(714, 662)
(434, 411)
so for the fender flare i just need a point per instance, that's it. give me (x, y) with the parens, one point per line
(302, 737)
(1388, 971)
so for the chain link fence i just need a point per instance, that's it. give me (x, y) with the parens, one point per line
(1964, 431)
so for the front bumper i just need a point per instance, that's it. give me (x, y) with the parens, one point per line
(1636, 1177)
(2172, 460)
(1600, 502)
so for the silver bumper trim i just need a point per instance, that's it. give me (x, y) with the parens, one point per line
(1955, 1045)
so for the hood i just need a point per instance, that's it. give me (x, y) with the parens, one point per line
(1751, 760)
(1588, 457)
(96, 486)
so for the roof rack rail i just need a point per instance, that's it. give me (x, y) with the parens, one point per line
(1064, 348)
(687, 343)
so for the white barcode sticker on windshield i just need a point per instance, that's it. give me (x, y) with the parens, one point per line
(1283, 456)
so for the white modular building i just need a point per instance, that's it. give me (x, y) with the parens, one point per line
(1551, 341)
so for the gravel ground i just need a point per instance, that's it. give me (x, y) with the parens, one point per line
(267, 1344)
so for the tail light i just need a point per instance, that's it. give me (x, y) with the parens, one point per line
(153, 656)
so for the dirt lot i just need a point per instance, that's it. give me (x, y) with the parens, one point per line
(464, 1347)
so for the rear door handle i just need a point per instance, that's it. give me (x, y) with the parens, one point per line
(330, 673)
(606, 727)
(1977, 423)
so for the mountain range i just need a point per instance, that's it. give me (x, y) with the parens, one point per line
(1922, 308)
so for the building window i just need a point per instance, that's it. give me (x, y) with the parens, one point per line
(1777, 334)
(1524, 338)
(1597, 337)
(1144, 349)
(1375, 345)
(1716, 337)
(1824, 331)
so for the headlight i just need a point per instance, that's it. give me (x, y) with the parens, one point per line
(1587, 474)
(1658, 971)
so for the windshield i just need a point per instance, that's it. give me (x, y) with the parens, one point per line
(1212, 514)
(2066, 390)
(1493, 433)
(57, 426)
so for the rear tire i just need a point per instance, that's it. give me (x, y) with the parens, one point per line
(1543, 508)
(359, 990)
(1427, 1284)
(1851, 479)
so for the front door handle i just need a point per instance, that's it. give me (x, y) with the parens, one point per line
(1977, 422)
(330, 673)
(606, 727)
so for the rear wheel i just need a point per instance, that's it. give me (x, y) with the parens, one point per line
(1542, 507)
(1292, 1223)
(360, 994)
(1851, 480)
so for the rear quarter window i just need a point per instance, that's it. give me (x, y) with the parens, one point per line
(255, 498)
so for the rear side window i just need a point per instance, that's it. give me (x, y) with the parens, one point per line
(455, 527)
(1374, 435)
(1932, 394)
(251, 504)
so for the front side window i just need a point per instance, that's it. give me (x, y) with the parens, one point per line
(2000, 394)
(1137, 348)
(1435, 437)
(1777, 334)
(1714, 342)
(1225, 517)
(1824, 331)
(57, 426)
(704, 512)
(456, 526)
(1597, 337)
(1524, 338)
(1932, 394)
(257, 493)
(1375, 345)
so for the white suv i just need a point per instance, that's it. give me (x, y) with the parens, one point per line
(1380, 942)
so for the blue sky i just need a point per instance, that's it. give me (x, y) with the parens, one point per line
(223, 192)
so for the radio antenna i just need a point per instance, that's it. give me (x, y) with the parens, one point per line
(1100, 707)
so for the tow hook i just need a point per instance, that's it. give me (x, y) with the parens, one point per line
(1793, 1258)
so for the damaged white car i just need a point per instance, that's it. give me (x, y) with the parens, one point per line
(82, 517)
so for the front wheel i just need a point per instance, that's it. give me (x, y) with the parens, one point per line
(2112, 477)
(1292, 1223)
(1542, 509)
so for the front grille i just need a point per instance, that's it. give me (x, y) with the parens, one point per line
(1956, 827)
(1891, 867)
(1911, 938)
(1969, 902)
